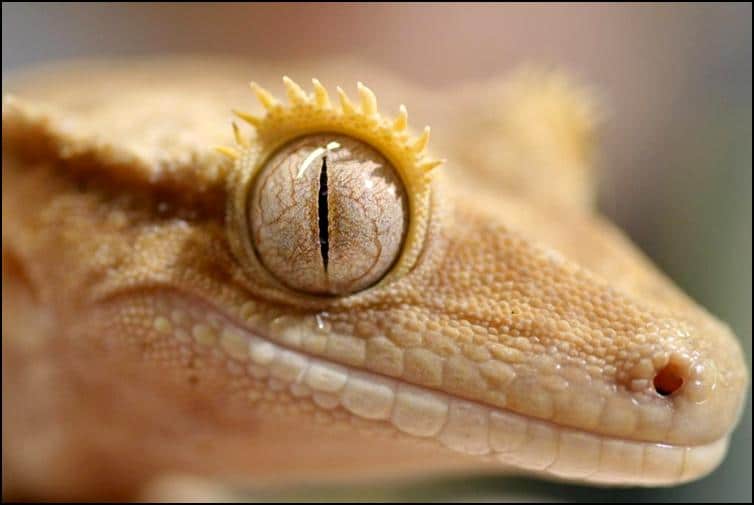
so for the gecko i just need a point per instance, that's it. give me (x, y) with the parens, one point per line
(296, 285)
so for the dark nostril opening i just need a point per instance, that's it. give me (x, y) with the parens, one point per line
(668, 380)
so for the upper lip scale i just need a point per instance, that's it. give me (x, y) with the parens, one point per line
(241, 327)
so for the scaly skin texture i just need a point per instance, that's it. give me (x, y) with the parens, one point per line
(527, 336)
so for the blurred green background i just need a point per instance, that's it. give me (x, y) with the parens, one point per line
(676, 161)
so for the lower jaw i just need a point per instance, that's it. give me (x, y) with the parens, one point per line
(519, 444)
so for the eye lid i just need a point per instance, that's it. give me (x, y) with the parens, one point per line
(310, 114)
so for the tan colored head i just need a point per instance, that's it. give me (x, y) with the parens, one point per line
(473, 315)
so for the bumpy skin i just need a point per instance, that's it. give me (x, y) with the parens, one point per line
(527, 336)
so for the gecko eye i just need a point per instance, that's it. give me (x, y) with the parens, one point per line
(327, 215)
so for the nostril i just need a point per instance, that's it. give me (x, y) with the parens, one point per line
(668, 380)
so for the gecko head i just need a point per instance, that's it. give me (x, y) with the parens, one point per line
(345, 278)
(495, 340)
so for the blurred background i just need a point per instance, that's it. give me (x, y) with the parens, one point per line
(676, 158)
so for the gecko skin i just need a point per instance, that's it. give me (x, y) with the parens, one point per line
(518, 330)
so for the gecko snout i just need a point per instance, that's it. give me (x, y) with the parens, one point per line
(705, 385)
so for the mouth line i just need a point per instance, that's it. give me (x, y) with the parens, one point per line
(483, 430)
(464, 425)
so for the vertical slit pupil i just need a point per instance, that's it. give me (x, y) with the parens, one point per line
(323, 213)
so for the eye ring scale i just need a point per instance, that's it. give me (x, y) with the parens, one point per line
(326, 199)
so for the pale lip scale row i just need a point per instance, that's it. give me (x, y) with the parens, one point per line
(461, 425)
